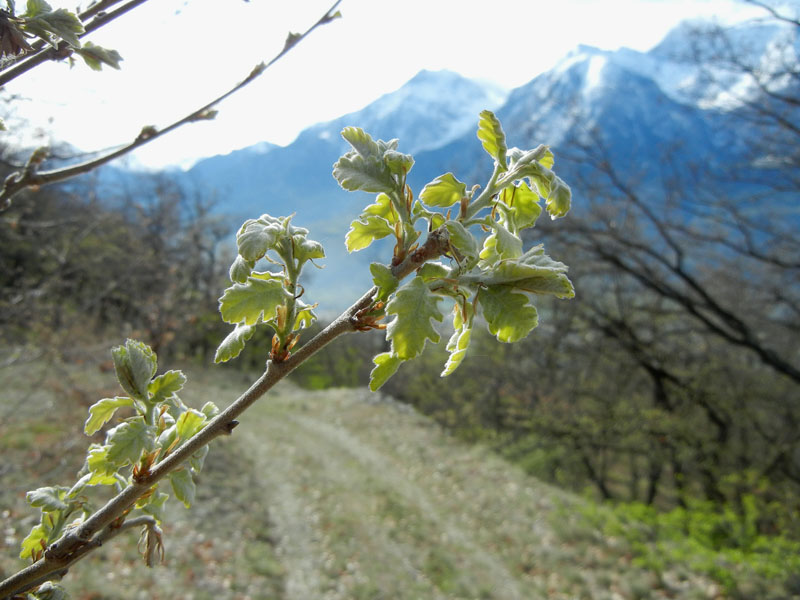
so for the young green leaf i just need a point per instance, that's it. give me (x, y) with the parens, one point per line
(382, 207)
(366, 230)
(241, 269)
(386, 365)
(443, 191)
(210, 410)
(61, 23)
(183, 486)
(256, 236)
(253, 301)
(305, 315)
(189, 423)
(432, 270)
(97, 56)
(34, 8)
(49, 591)
(165, 385)
(167, 437)
(78, 486)
(49, 499)
(547, 160)
(541, 178)
(233, 344)
(135, 364)
(305, 249)
(559, 200)
(369, 174)
(509, 314)
(462, 240)
(523, 206)
(198, 459)
(557, 285)
(362, 142)
(463, 317)
(382, 277)
(103, 471)
(101, 412)
(153, 505)
(397, 162)
(493, 138)
(501, 245)
(34, 542)
(534, 263)
(127, 441)
(509, 246)
(457, 347)
(414, 306)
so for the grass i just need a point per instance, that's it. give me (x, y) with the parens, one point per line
(336, 494)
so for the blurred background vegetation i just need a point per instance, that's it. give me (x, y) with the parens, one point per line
(669, 387)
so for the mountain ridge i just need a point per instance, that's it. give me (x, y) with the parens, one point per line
(641, 109)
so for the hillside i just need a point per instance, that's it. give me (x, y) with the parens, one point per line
(334, 494)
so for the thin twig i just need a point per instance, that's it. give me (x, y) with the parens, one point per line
(44, 52)
(106, 535)
(19, 180)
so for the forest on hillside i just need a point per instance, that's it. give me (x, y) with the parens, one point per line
(668, 387)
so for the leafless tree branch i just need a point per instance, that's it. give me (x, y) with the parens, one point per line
(31, 177)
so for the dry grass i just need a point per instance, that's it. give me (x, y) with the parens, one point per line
(339, 494)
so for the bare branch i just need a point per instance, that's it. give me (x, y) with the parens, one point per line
(774, 12)
(30, 177)
(44, 52)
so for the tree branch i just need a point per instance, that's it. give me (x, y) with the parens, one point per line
(44, 52)
(80, 541)
(30, 177)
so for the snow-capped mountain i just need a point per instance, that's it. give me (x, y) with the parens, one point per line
(429, 111)
(656, 115)
(670, 108)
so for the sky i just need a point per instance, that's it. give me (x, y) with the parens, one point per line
(180, 54)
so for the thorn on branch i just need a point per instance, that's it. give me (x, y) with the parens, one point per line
(37, 157)
(291, 40)
(147, 132)
(330, 17)
(229, 427)
(257, 70)
(209, 114)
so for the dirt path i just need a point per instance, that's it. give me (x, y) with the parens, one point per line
(345, 495)
(370, 500)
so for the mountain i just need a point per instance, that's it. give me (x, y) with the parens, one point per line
(637, 105)
(655, 115)
(430, 110)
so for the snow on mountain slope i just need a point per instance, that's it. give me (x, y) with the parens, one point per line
(430, 110)
(691, 64)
